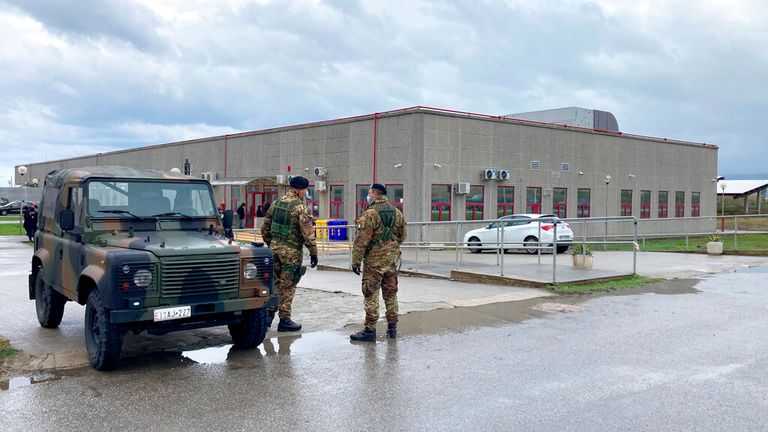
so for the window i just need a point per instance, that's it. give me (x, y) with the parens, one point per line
(679, 204)
(441, 202)
(361, 193)
(312, 202)
(535, 165)
(75, 204)
(663, 204)
(626, 202)
(533, 200)
(695, 204)
(235, 197)
(583, 202)
(395, 194)
(645, 204)
(474, 204)
(145, 199)
(560, 202)
(337, 202)
(505, 201)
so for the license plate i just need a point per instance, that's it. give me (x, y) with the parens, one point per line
(173, 313)
(565, 237)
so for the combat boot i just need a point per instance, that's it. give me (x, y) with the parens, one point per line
(271, 318)
(364, 335)
(287, 325)
(392, 330)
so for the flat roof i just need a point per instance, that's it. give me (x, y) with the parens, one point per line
(740, 187)
(396, 112)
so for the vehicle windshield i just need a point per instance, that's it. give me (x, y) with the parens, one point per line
(143, 199)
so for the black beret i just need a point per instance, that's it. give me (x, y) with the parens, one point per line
(379, 187)
(299, 182)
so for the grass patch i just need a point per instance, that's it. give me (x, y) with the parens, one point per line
(10, 229)
(9, 218)
(6, 350)
(602, 286)
(748, 243)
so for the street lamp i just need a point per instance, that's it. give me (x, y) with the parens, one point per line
(175, 170)
(723, 185)
(605, 238)
(21, 170)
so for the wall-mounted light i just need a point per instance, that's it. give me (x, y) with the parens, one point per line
(397, 165)
(437, 165)
(719, 178)
(631, 176)
(608, 179)
(581, 172)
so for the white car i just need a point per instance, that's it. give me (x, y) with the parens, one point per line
(520, 230)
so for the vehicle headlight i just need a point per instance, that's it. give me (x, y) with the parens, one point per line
(250, 271)
(142, 278)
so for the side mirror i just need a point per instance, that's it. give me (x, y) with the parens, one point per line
(67, 220)
(227, 219)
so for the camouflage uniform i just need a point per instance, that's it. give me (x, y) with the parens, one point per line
(380, 232)
(287, 249)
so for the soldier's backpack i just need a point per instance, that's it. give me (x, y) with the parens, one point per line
(387, 214)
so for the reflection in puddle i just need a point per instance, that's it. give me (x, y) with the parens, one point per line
(24, 381)
(282, 345)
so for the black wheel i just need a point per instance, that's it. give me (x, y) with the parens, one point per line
(530, 244)
(49, 303)
(250, 332)
(103, 340)
(562, 249)
(474, 245)
(3, 212)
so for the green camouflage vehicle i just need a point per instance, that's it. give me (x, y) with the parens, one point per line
(143, 250)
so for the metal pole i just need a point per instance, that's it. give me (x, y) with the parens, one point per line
(502, 252)
(584, 243)
(538, 251)
(605, 237)
(458, 226)
(418, 235)
(429, 243)
(735, 233)
(498, 242)
(686, 239)
(634, 249)
(554, 255)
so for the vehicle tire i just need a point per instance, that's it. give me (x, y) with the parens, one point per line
(562, 249)
(528, 242)
(103, 340)
(474, 245)
(49, 303)
(250, 331)
(3, 212)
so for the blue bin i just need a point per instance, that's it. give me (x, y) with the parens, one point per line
(339, 230)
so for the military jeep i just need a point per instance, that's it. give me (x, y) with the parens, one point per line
(144, 250)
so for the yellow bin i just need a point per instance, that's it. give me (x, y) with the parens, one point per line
(321, 233)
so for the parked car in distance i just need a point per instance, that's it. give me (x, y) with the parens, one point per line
(13, 207)
(521, 231)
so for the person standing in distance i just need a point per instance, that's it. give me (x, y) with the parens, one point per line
(381, 229)
(241, 215)
(286, 230)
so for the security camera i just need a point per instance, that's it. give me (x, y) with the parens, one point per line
(581, 172)
(437, 165)
(719, 178)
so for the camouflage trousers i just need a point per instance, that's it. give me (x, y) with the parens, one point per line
(373, 280)
(285, 275)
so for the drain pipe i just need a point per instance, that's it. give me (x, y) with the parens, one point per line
(375, 130)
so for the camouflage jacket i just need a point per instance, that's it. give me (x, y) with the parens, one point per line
(301, 224)
(369, 229)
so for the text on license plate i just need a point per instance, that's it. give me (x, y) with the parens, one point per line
(173, 313)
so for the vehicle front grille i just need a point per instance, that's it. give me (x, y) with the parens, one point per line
(208, 274)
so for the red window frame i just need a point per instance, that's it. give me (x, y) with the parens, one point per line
(474, 206)
(338, 205)
(532, 206)
(560, 209)
(679, 207)
(439, 206)
(312, 203)
(360, 206)
(505, 208)
(391, 195)
(695, 204)
(626, 209)
(583, 210)
(645, 207)
(663, 206)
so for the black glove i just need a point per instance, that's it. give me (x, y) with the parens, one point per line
(356, 269)
(313, 261)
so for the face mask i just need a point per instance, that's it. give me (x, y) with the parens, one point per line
(369, 199)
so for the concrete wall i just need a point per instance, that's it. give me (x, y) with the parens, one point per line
(410, 143)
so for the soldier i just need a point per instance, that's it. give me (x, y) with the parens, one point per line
(287, 229)
(380, 232)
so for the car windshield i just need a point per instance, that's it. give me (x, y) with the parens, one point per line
(143, 199)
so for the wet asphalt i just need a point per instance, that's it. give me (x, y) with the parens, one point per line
(665, 358)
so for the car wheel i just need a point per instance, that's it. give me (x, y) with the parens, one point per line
(3, 212)
(49, 303)
(251, 330)
(530, 244)
(103, 340)
(474, 245)
(562, 249)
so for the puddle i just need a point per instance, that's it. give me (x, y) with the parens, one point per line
(752, 270)
(28, 380)
(557, 308)
(282, 345)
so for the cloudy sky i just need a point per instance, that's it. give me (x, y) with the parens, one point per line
(87, 76)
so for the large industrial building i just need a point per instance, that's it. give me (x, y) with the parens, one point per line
(442, 165)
